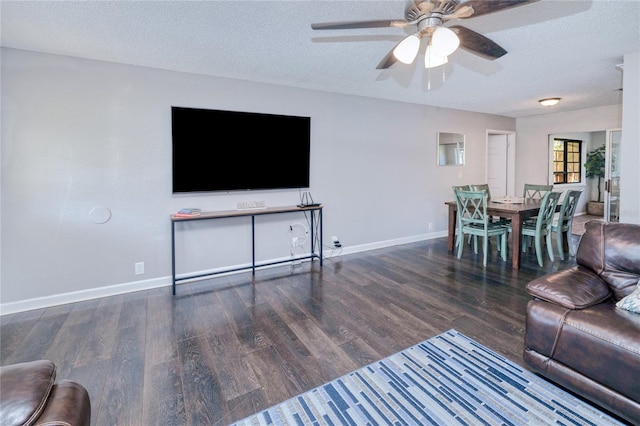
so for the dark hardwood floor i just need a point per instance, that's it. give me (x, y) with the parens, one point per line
(224, 348)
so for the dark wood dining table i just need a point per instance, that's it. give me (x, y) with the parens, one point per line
(517, 212)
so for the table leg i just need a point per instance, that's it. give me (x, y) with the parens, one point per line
(452, 227)
(253, 245)
(516, 240)
(173, 258)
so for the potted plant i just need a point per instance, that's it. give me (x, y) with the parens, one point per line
(595, 168)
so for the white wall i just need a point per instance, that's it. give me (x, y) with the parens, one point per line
(630, 145)
(533, 149)
(80, 134)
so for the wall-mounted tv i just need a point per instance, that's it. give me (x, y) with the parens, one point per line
(217, 150)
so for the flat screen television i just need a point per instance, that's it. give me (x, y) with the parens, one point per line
(217, 150)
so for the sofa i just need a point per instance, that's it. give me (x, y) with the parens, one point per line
(583, 324)
(29, 395)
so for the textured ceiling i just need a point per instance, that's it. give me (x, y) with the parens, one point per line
(557, 48)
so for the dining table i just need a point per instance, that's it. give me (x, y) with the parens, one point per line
(517, 210)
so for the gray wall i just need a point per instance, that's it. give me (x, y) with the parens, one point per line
(80, 134)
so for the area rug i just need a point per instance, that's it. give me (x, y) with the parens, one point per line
(448, 379)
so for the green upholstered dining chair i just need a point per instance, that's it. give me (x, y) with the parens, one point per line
(540, 229)
(536, 191)
(474, 221)
(563, 221)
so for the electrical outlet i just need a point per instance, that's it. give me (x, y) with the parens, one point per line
(139, 266)
(336, 242)
(334, 238)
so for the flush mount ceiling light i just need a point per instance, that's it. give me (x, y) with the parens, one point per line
(547, 102)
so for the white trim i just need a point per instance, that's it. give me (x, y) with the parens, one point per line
(113, 290)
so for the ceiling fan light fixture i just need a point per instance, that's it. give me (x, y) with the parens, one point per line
(432, 60)
(407, 50)
(444, 41)
(547, 102)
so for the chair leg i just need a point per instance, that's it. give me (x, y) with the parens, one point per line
(559, 244)
(572, 247)
(539, 251)
(460, 244)
(550, 246)
(485, 249)
(503, 251)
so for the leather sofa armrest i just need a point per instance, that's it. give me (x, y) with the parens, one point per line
(68, 405)
(575, 288)
(24, 391)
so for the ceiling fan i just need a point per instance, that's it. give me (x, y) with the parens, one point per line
(429, 16)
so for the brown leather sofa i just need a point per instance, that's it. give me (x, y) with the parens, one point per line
(576, 336)
(29, 395)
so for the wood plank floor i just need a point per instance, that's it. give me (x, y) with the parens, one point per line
(224, 348)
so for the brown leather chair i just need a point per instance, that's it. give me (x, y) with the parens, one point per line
(29, 395)
(576, 336)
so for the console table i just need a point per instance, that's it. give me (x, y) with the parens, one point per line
(316, 215)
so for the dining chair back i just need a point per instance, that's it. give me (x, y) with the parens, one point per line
(485, 187)
(473, 220)
(482, 187)
(462, 187)
(536, 191)
(540, 228)
(562, 224)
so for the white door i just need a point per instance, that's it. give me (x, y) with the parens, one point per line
(500, 163)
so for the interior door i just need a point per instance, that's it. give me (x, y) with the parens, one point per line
(500, 163)
(612, 177)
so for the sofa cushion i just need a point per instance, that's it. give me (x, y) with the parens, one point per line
(575, 288)
(631, 302)
(600, 342)
(24, 390)
(611, 251)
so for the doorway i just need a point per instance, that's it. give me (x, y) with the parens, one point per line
(501, 156)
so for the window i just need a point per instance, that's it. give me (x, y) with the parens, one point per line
(567, 157)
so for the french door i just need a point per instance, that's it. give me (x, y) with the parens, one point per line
(612, 177)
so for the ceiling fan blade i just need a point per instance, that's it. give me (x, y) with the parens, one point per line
(483, 7)
(359, 24)
(477, 43)
(388, 60)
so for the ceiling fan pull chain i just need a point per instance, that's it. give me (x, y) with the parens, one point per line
(428, 78)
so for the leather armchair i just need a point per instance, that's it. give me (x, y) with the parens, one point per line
(29, 395)
(576, 336)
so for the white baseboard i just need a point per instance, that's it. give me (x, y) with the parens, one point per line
(113, 290)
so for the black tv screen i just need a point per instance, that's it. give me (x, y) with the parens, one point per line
(216, 150)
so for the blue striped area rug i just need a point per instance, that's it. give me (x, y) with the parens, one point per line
(446, 380)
